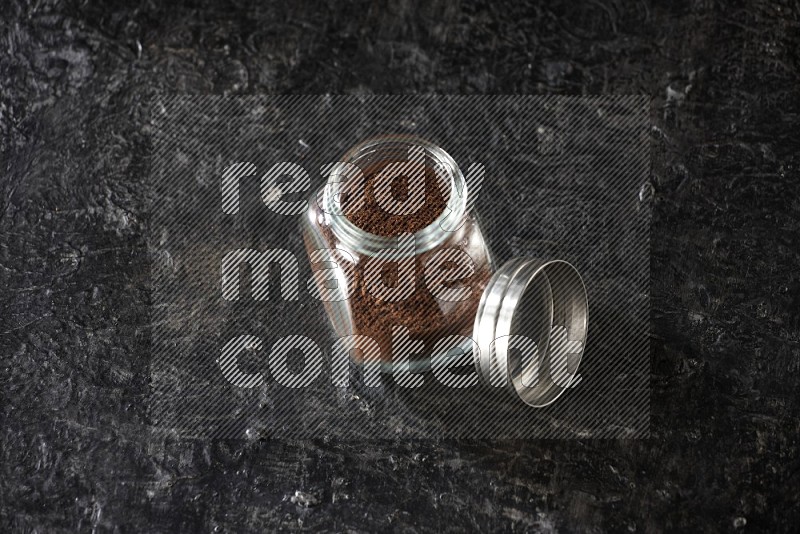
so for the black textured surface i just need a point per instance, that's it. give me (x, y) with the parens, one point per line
(76, 80)
(580, 199)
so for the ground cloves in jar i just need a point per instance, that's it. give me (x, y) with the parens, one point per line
(459, 262)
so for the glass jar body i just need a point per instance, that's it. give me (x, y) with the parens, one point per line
(407, 298)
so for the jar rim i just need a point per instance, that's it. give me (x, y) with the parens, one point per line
(354, 238)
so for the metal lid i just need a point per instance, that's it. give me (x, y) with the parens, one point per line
(530, 329)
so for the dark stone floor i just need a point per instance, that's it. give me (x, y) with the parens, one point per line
(75, 82)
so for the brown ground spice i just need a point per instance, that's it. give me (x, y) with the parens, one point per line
(427, 319)
(371, 218)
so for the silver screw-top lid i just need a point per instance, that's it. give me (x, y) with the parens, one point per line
(530, 329)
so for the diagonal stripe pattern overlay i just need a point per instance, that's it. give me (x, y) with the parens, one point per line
(241, 347)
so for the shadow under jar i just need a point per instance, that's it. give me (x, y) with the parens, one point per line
(396, 254)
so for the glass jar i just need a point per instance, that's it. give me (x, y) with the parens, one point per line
(523, 326)
(402, 290)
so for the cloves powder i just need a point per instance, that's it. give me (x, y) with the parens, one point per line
(426, 318)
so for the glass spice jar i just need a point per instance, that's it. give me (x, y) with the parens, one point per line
(393, 219)
(399, 259)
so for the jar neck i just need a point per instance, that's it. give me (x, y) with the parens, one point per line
(359, 157)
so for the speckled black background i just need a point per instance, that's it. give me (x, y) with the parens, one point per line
(75, 83)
